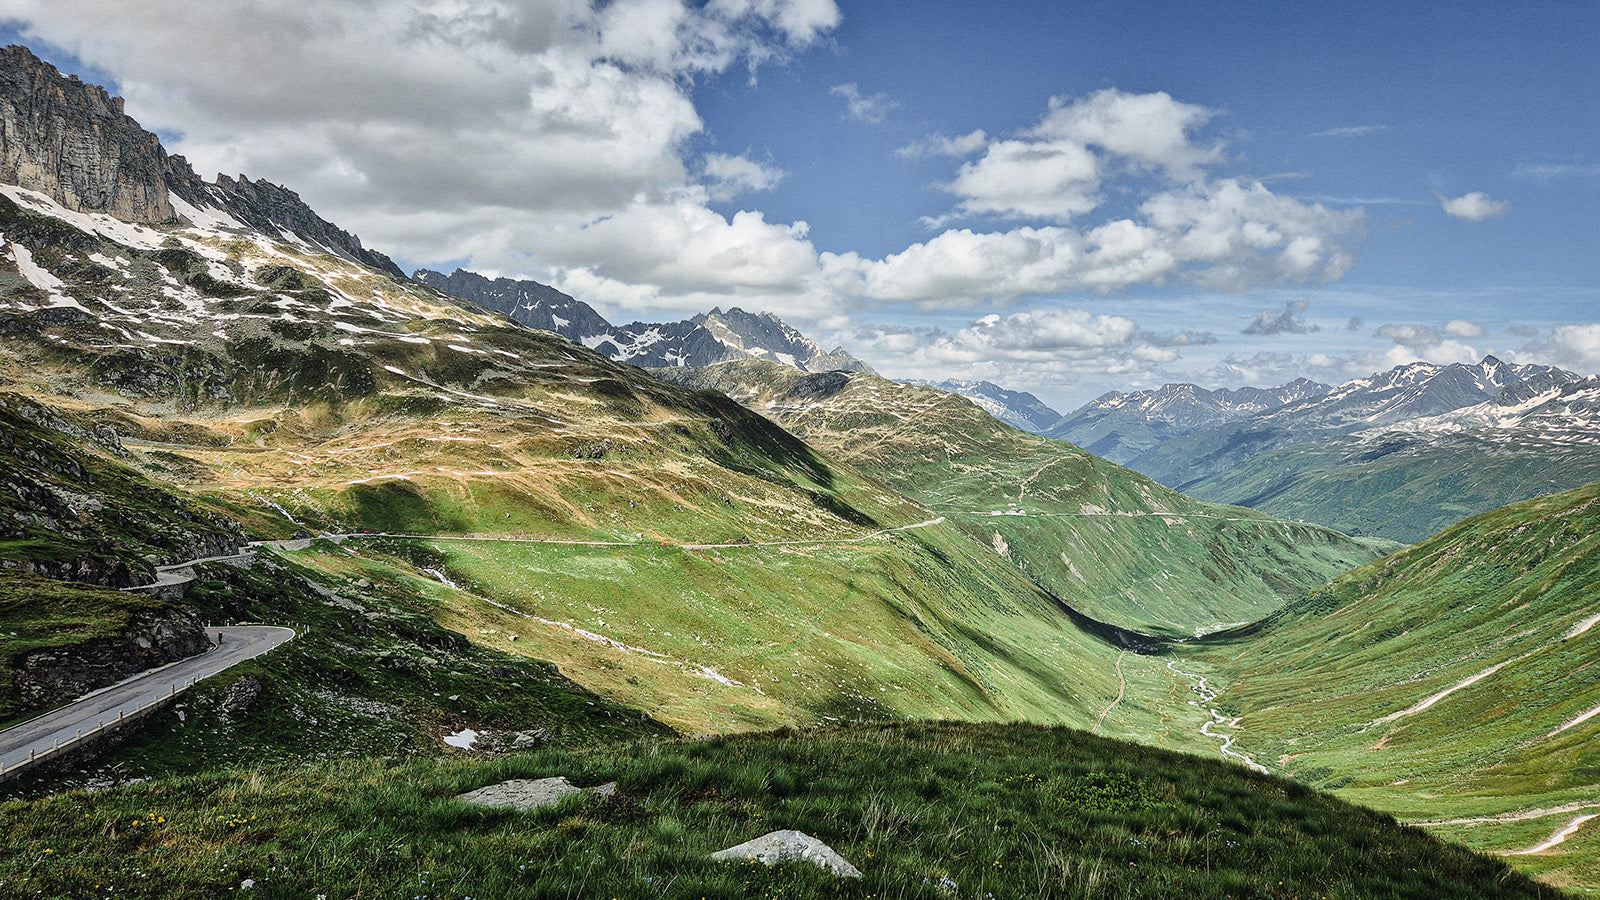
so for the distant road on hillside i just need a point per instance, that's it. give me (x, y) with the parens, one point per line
(304, 543)
(65, 726)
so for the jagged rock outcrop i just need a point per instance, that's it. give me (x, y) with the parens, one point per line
(274, 210)
(153, 638)
(72, 141)
(529, 302)
(106, 572)
(241, 696)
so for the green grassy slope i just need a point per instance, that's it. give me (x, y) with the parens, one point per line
(1451, 680)
(1111, 542)
(924, 810)
(916, 623)
(71, 508)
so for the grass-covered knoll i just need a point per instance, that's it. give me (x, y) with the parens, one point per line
(917, 623)
(1454, 679)
(44, 613)
(924, 810)
(1113, 543)
(1399, 486)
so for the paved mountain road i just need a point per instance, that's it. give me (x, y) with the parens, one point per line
(105, 707)
(183, 573)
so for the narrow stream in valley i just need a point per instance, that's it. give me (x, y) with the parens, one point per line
(1203, 689)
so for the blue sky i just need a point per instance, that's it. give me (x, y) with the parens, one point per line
(1063, 198)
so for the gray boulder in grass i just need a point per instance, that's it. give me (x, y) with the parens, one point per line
(522, 793)
(782, 846)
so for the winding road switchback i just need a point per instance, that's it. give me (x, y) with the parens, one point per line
(63, 728)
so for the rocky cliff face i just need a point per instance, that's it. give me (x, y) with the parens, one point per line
(273, 210)
(72, 141)
(529, 302)
(153, 638)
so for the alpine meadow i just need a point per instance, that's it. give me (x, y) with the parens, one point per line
(1070, 452)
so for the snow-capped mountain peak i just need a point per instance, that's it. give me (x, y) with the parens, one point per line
(713, 337)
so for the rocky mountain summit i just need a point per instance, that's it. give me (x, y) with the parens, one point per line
(529, 302)
(72, 142)
(705, 339)
(1019, 409)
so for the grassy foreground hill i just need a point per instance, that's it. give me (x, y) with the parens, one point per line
(1110, 541)
(1455, 682)
(923, 810)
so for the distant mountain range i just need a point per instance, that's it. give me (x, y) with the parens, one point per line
(1399, 454)
(1120, 426)
(709, 338)
(1019, 409)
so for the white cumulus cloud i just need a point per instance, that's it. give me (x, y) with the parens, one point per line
(1049, 351)
(521, 136)
(1227, 234)
(1188, 225)
(871, 108)
(730, 176)
(939, 145)
(1474, 207)
(1577, 347)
